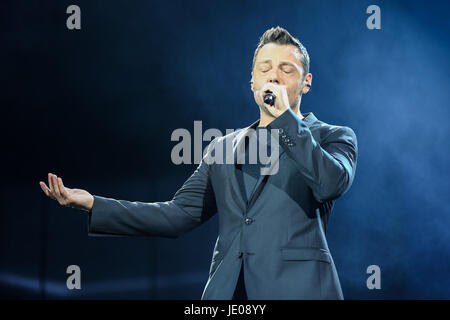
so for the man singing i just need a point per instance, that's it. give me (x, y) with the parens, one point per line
(272, 227)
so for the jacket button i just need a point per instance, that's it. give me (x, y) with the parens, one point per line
(248, 220)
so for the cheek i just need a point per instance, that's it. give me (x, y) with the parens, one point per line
(295, 89)
(292, 92)
(255, 94)
(257, 84)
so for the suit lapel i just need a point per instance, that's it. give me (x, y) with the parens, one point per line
(239, 150)
(262, 180)
(239, 154)
(308, 120)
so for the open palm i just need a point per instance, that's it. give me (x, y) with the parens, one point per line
(75, 198)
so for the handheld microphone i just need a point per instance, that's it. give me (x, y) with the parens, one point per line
(269, 98)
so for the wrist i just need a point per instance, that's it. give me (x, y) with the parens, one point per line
(90, 203)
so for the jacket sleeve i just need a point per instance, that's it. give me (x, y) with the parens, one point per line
(192, 204)
(328, 167)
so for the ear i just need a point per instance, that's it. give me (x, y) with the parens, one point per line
(307, 82)
(251, 83)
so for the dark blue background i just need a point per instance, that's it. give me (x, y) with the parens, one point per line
(97, 106)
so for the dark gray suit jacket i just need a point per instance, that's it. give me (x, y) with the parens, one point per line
(279, 233)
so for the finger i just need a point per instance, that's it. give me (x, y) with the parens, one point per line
(46, 190)
(62, 189)
(55, 185)
(275, 108)
(280, 93)
(272, 110)
(267, 85)
(266, 88)
(278, 89)
(270, 86)
(50, 183)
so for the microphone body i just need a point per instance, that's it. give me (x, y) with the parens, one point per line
(269, 98)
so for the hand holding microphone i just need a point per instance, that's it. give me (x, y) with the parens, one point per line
(273, 99)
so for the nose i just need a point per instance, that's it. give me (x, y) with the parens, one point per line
(274, 77)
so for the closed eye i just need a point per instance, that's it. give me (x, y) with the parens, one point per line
(287, 70)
